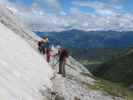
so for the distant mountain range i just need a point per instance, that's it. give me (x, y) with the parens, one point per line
(91, 39)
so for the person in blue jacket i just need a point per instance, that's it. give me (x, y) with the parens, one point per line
(46, 48)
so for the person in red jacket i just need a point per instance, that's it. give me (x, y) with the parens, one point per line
(63, 55)
(48, 55)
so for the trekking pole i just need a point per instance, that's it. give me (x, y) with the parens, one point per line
(71, 66)
(66, 64)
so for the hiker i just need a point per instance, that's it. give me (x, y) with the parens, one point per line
(48, 54)
(44, 47)
(43, 44)
(63, 55)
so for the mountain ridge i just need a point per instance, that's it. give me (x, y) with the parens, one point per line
(92, 39)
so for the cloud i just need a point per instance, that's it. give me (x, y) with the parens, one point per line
(3, 1)
(78, 20)
(52, 6)
(117, 1)
(48, 15)
(99, 7)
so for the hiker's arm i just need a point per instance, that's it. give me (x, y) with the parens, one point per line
(55, 55)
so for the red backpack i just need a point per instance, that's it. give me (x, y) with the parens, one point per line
(63, 54)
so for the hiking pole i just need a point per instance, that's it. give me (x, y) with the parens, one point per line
(71, 66)
(65, 64)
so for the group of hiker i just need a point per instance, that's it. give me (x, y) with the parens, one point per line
(45, 49)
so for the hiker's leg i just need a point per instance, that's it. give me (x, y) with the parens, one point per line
(43, 51)
(48, 55)
(60, 67)
(63, 69)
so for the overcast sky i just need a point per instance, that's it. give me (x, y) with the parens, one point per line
(55, 15)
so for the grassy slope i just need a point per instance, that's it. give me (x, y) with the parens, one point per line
(91, 58)
(110, 88)
(118, 70)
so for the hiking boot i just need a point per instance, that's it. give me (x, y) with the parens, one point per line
(59, 73)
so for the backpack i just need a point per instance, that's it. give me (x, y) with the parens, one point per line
(63, 54)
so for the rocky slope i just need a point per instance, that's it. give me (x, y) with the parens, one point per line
(20, 78)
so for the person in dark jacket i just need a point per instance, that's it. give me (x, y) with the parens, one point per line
(40, 46)
(63, 55)
(44, 47)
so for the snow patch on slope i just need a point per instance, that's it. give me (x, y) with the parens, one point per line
(22, 70)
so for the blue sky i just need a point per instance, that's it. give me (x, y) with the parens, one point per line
(67, 4)
(79, 14)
